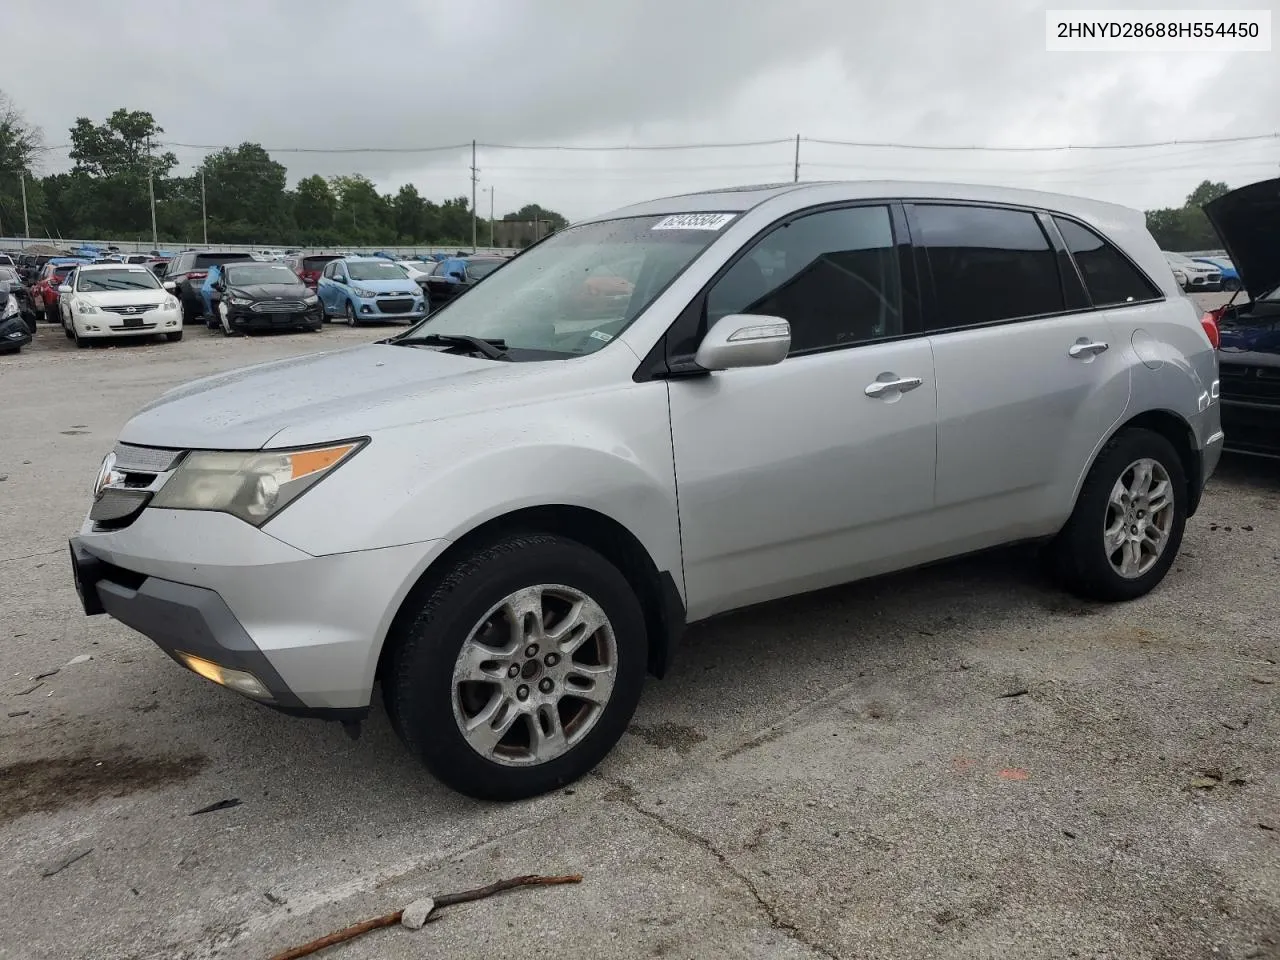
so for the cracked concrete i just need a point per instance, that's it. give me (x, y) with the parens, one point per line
(836, 775)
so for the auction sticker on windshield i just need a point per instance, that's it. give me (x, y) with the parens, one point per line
(693, 221)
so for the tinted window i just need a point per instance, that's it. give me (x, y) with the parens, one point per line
(316, 263)
(479, 269)
(833, 276)
(208, 259)
(1110, 278)
(988, 265)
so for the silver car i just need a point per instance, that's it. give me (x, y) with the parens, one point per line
(508, 514)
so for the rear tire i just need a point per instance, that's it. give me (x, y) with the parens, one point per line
(1113, 510)
(51, 314)
(540, 576)
(1231, 285)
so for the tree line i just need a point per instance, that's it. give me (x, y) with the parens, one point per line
(242, 191)
(247, 198)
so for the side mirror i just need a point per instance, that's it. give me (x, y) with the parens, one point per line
(170, 286)
(64, 288)
(744, 340)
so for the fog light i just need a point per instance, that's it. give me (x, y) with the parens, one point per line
(365, 308)
(237, 680)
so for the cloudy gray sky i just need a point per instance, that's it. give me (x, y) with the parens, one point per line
(408, 74)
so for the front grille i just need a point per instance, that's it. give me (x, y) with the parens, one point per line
(1250, 384)
(131, 459)
(279, 306)
(130, 309)
(395, 306)
(117, 506)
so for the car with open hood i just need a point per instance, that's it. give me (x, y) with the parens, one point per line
(508, 513)
(255, 296)
(102, 301)
(365, 289)
(1248, 222)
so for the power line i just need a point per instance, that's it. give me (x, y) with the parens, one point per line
(1042, 149)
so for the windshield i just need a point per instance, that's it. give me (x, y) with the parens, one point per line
(373, 270)
(106, 281)
(239, 273)
(549, 299)
(209, 259)
(316, 263)
(479, 269)
(8, 274)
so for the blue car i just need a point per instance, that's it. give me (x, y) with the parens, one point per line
(369, 288)
(1230, 276)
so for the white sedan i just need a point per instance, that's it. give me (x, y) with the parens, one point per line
(116, 300)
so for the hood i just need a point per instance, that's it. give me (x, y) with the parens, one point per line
(1248, 221)
(328, 396)
(268, 291)
(403, 285)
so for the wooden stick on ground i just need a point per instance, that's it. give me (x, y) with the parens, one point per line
(444, 900)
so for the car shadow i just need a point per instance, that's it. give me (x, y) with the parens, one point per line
(1260, 473)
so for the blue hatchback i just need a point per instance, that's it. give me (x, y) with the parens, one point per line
(1230, 276)
(369, 288)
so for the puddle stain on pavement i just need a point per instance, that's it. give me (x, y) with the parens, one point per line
(41, 786)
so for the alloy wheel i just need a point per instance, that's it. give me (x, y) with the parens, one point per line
(535, 675)
(1140, 515)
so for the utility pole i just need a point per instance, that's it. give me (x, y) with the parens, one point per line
(26, 221)
(474, 171)
(151, 190)
(796, 176)
(491, 215)
(204, 216)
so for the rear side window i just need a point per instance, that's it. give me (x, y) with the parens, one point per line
(832, 275)
(988, 265)
(1109, 276)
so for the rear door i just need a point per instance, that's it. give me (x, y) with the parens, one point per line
(819, 469)
(1030, 377)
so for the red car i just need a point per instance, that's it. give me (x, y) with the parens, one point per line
(309, 266)
(44, 292)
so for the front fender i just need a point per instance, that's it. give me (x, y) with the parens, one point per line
(607, 451)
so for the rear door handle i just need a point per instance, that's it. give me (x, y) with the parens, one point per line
(1086, 348)
(891, 387)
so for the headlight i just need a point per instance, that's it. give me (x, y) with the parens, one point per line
(170, 303)
(362, 293)
(10, 308)
(84, 306)
(251, 486)
(239, 301)
(311, 298)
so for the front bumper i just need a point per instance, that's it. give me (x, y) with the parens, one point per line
(309, 628)
(105, 324)
(245, 318)
(372, 310)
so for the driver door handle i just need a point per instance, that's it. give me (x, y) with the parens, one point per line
(1086, 348)
(880, 388)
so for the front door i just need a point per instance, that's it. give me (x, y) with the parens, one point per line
(820, 469)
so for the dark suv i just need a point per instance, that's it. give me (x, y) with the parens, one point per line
(186, 274)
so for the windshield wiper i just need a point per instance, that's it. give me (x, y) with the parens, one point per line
(492, 349)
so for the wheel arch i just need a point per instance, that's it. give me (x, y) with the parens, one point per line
(1178, 431)
(658, 593)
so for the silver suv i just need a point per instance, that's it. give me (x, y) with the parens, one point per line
(508, 514)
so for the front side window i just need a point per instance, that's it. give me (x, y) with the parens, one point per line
(832, 275)
(1109, 277)
(107, 281)
(988, 265)
(539, 305)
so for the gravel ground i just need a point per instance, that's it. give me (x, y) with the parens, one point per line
(960, 762)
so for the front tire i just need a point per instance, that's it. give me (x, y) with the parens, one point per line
(1128, 522)
(351, 314)
(518, 671)
(173, 337)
